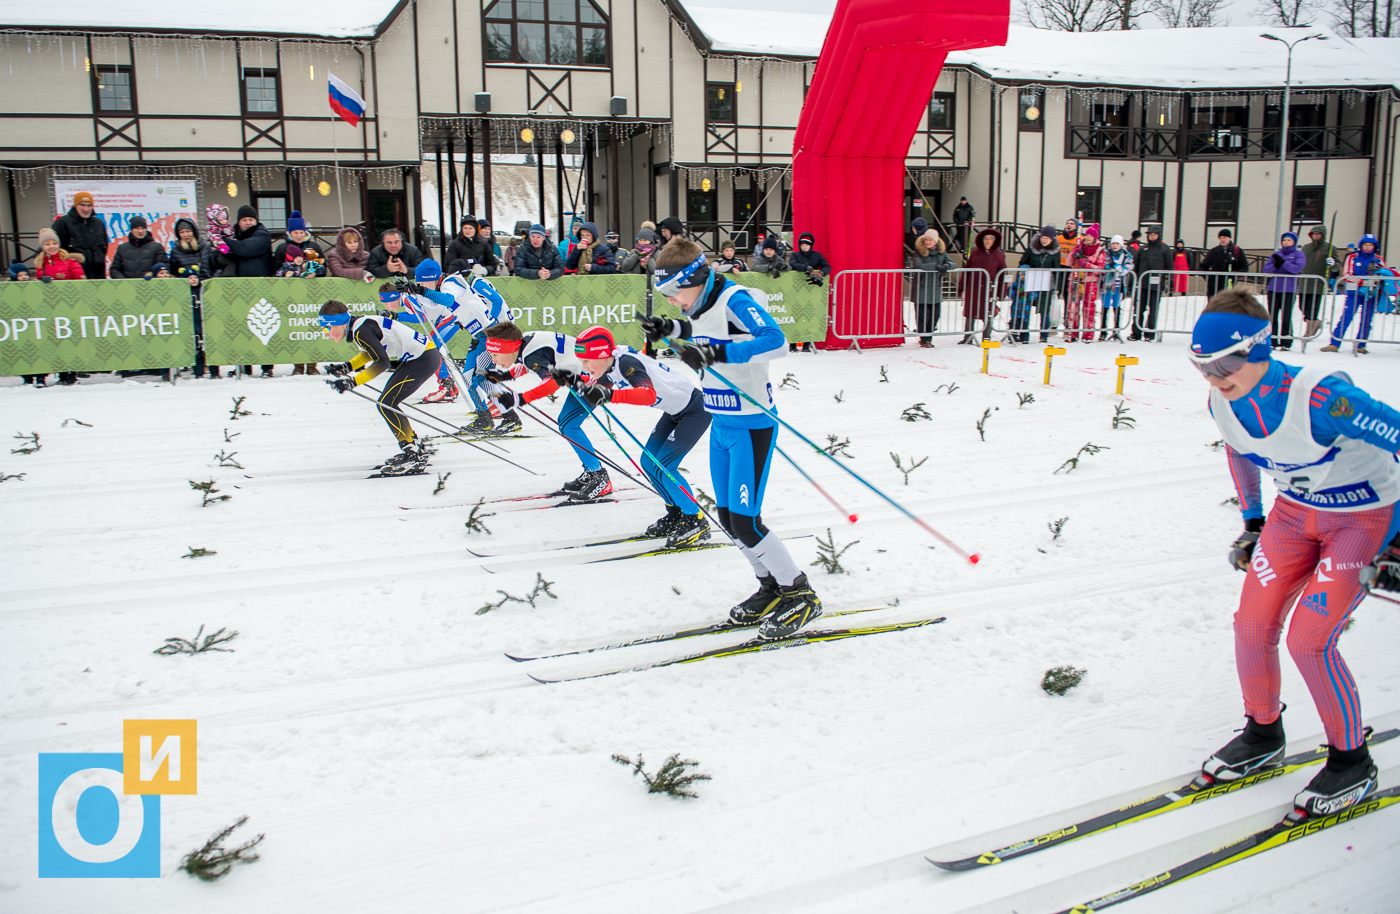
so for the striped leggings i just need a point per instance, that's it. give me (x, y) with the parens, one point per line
(1310, 558)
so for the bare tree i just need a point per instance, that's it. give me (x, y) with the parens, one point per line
(1365, 18)
(1287, 13)
(1189, 14)
(1086, 15)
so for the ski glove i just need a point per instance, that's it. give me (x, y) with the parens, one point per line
(340, 369)
(698, 355)
(341, 385)
(497, 375)
(1331, 261)
(1384, 572)
(412, 288)
(563, 377)
(507, 399)
(1242, 549)
(658, 327)
(595, 394)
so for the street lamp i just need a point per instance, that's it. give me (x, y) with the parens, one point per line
(1283, 142)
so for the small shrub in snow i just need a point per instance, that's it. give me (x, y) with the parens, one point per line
(1025, 399)
(238, 409)
(1060, 679)
(1121, 417)
(789, 380)
(228, 438)
(76, 421)
(442, 482)
(1232, 500)
(982, 424)
(828, 556)
(213, 860)
(915, 413)
(672, 779)
(838, 448)
(951, 387)
(1073, 462)
(5, 476)
(703, 499)
(1217, 444)
(197, 553)
(884, 374)
(474, 520)
(839, 396)
(207, 490)
(541, 590)
(226, 460)
(31, 443)
(1057, 527)
(199, 644)
(898, 465)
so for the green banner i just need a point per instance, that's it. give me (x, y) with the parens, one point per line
(799, 307)
(572, 304)
(95, 325)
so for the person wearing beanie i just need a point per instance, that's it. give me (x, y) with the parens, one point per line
(1150, 264)
(473, 248)
(19, 271)
(1226, 257)
(1081, 309)
(484, 231)
(537, 258)
(250, 254)
(769, 258)
(600, 257)
(619, 374)
(644, 249)
(292, 261)
(931, 258)
(919, 226)
(964, 217)
(1118, 266)
(671, 227)
(727, 261)
(299, 236)
(1285, 264)
(191, 259)
(1041, 258)
(1134, 242)
(81, 231)
(1360, 278)
(1331, 449)
(54, 263)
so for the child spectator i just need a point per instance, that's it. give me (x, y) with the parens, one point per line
(769, 258)
(218, 229)
(601, 258)
(1087, 258)
(315, 266)
(53, 262)
(642, 258)
(727, 262)
(292, 262)
(1362, 290)
(19, 271)
(1117, 266)
(806, 259)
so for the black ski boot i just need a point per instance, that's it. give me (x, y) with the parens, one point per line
(591, 485)
(482, 424)
(510, 423)
(689, 530)
(1348, 778)
(411, 460)
(665, 524)
(798, 606)
(759, 605)
(1259, 747)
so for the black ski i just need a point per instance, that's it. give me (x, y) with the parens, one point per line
(714, 629)
(757, 645)
(500, 501)
(1198, 790)
(1293, 826)
(396, 475)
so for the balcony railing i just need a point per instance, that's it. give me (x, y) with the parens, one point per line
(1085, 141)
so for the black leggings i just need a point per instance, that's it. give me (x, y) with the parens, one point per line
(406, 379)
(747, 530)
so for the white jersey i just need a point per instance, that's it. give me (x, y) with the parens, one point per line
(674, 389)
(479, 305)
(400, 340)
(543, 350)
(721, 324)
(1349, 475)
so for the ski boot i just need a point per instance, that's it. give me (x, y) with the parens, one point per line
(592, 485)
(411, 459)
(573, 486)
(1259, 747)
(759, 605)
(482, 424)
(446, 392)
(665, 525)
(1383, 574)
(689, 530)
(1348, 778)
(510, 423)
(798, 606)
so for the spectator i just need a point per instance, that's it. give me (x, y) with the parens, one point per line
(1183, 261)
(348, 258)
(600, 258)
(159, 271)
(250, 254)
(806, 259)
(53, 262)
(192, 258)
(963, 218)
(483, 230)
(219, 231)
(974, 287)
(727, 262)
(1040, 259)
(1117, 267)
(643, 256)
(1285, 263)
(769, 260)
(469, 246)
(1088, 259)
(584, 238)
(1134, 243)
(671, 227)
(763, 235)
(917, 226)
(1067, 240)
(394, 256)
(81, 232)
(19, 271)
(292, 261)
(1226, 257)
(1322, 263)
(299, 236)
(139, 254)
(1359, 274)
(930, 256)
(536, 259)
(1154, 258)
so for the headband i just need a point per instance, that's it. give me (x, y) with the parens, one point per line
(389, 298)
(333, 320)
(496, 344)
(671, 279)
(1218, 333)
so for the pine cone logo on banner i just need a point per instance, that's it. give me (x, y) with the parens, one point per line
(264, 320)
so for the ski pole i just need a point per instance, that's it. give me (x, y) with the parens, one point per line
(581, 402)
(974, 558)
(850, 516)
(535, 409)
(424, 414)
(440, 431)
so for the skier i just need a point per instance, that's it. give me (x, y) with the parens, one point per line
(1358, 272)
(730, 327)
(553, 357)
(1330, 448)
(621, 375)
(384, 342)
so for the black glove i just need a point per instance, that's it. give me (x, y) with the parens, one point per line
(815, 279)
(1374, 267)
(507, 399)
(340, 369)
(496, 375)
(1384, 572)
(562, 376)
(45, 279)
(1242, 549)
(593, 394)
(656, 328)
(1278, 260)
(341, 385)
(698, 355)
(413, 288)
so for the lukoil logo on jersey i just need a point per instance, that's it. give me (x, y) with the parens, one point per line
(99, 812)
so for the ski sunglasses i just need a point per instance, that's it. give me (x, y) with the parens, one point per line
(1226, 362)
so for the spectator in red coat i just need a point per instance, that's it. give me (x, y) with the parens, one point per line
(53, 262)
(974, 287)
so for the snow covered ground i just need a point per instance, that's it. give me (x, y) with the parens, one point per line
(370, 725)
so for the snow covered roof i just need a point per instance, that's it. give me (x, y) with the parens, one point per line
(1152, 58)
(348, 19)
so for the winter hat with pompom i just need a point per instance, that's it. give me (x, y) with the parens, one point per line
(295, 222)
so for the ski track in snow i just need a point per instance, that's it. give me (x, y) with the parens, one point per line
(369, 723)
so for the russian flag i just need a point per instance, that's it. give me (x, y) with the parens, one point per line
(346, 102)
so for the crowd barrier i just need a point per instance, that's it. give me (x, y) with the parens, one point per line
(106, 325)
(1050, 301)
(886, 304)
(1183, 297)
(1366, 308)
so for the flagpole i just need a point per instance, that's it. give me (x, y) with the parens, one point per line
(335, 152)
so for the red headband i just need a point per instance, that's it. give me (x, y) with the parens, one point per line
(496, 344)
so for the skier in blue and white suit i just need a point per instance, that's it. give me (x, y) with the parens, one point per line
(728, 326)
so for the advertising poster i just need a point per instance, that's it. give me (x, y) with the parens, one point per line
(116, 201)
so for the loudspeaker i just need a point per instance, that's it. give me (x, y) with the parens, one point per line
(483, 102)
(619, 106)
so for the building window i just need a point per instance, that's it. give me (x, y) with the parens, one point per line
(1223, 205)
(116, 88)
(702, 207)
(1150, 206)
(561, 33)
(1088, 203)
(719, 103)
(1307, 205)
(940, 111)
(1032, 115)
(261, 92)
(272, 211)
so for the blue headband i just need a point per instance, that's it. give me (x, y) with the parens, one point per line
(1218, 333)
(670, 280)
(333, 320)
(389, 297)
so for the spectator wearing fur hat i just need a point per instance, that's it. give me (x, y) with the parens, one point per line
(537, 259)
(348, 258)
(1042, 256)
(930, 256)
(139, 254)
(80, 231)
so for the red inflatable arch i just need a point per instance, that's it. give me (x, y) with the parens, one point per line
(873, 81)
